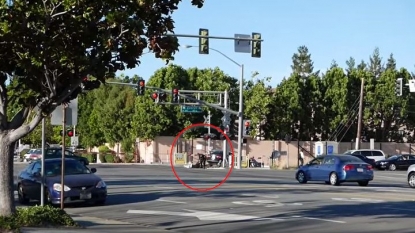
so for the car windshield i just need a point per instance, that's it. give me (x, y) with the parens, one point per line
(394, 157)
(349, 159)
(71, 168)
(348, 152)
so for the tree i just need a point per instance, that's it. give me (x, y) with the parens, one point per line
(48, 46)
(258, 100)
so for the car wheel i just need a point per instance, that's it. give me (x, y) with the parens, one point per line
(301, 177)
(23, 199)
(363, 183)
(411, 180)
(392, 167)
(334, 180)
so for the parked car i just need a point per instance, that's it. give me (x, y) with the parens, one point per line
(411, 176)
(365, 159)
(32, 154)
(214, 158)
(335, 169)
(80, 184)
(368, 153)
(53, 153)
(396, 162)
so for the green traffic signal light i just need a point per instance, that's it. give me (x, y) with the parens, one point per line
(203, 42)
(256, 45)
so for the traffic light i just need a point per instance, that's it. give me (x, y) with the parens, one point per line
(155, 97)
(162, 97)
(256, 45)
(141, 87)
(399, 86)
(247, 127)
(175, 95)
(90, 85)
(69, 133)
(203, 42)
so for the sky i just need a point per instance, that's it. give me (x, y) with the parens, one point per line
(332, 30)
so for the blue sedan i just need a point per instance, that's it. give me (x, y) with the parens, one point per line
(336, 169)
(80, 183)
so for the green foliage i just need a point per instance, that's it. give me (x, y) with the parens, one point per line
(109, 158)
(37, 216)
(104, 149)
(129, 158)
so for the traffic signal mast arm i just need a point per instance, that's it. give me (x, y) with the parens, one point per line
(184, 96)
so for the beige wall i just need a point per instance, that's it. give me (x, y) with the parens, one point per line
(158, 151)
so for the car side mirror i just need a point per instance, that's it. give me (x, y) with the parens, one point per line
(93, 170)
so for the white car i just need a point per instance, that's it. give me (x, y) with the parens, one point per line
(368, 153)
(411, 176)
(32, 154)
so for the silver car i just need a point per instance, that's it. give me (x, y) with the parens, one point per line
(411, 176)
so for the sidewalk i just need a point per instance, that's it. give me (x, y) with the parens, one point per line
(98, 225)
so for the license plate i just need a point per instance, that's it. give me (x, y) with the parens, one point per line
(85, 196)
(360, 169)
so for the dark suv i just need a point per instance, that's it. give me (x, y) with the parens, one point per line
(53, 153)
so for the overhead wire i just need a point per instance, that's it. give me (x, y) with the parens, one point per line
(341, 125)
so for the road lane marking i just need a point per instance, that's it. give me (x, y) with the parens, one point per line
(370, 195)
(170, 201)
(354, 199)
(204, 215)
(319, 219)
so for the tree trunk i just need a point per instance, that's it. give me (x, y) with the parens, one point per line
(7, 205)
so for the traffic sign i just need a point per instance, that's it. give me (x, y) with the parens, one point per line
(242, 46)
(74, 141)
(191, 109)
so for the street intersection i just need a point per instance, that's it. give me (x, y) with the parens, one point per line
(251, 201)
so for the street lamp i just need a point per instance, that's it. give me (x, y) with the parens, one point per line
(240, 112)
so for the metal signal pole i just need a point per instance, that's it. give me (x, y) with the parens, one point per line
(63, 156)
(360, 118)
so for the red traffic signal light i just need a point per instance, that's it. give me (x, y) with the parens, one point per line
(69, 133)
(247, 123)
(154, 96)
(175, 91)
(142, 83)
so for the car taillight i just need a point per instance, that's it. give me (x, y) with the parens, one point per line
(348, 167)
(369, 167)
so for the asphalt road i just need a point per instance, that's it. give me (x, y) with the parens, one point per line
(252, 201)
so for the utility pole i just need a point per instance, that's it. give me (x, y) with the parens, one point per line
(42, 175)
(208, 121)
(63, 156)
(360, 118)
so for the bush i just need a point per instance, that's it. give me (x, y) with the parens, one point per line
(92, 158)
(104, 149)
(129, 158)
(109, 158)
(36, 216)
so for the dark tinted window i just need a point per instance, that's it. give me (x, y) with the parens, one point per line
(359, 156)
(329, 160)
(356, 153)
(366, 153)
(349, 159)
(72, 167)
(376, 153)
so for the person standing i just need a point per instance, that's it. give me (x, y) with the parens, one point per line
(301, 157)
